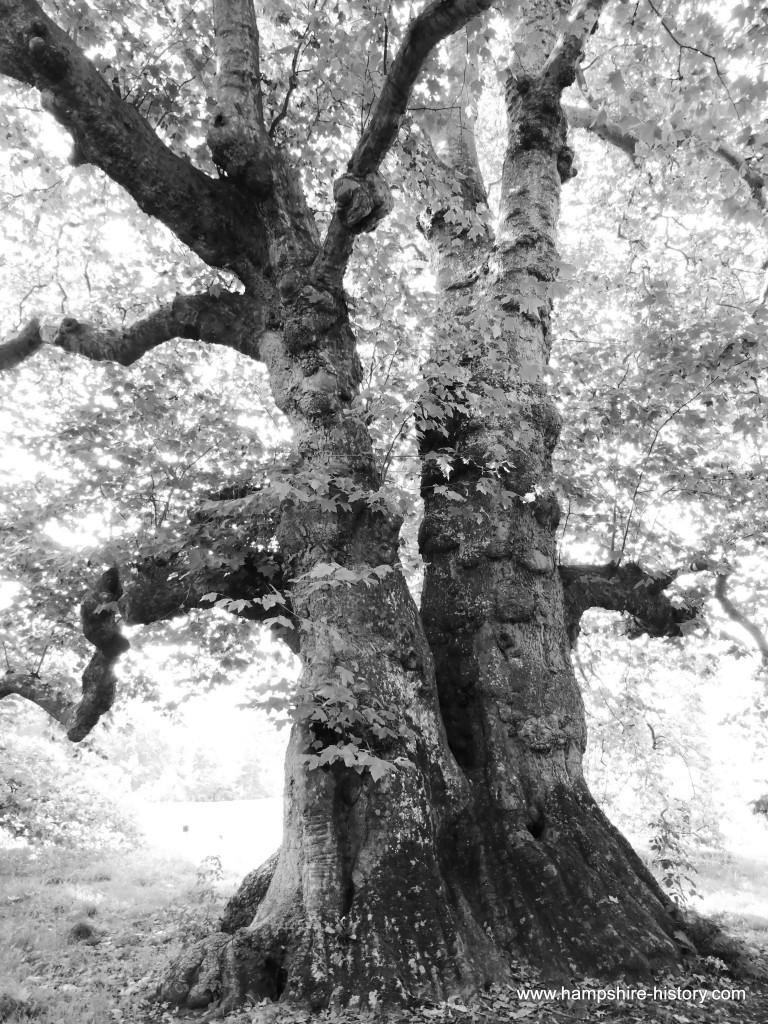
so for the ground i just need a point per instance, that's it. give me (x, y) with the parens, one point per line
(84, 940)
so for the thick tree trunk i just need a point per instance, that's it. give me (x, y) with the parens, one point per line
(484, 842)
(544, 869)
(358, 909)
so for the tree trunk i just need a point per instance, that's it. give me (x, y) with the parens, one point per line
(358, 909)
(484, 842)
(543, 866)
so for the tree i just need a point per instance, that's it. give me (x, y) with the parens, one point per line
(437, 820)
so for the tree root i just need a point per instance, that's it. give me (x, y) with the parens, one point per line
(227, 970)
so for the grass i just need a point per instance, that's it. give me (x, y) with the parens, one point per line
(84, 939)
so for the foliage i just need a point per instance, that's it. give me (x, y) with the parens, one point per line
(671, 852)
(651, 741)
(658, 355)
(197, 917)
(52, 794)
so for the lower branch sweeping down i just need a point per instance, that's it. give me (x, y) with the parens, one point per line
(100, 626)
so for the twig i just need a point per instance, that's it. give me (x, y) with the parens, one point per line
(730, 609)
(693, 49)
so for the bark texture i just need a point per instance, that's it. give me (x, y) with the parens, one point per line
(540, 863)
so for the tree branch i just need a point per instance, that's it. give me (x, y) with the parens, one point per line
(560, 66)
(362, 197)
(237, 138)
(160, 588)
(627, 139)
(626, 588)
(21, 346)
(736, 615)
(213, 217)
(100, 627)
(248, 571)
(230, 319)
(165, 588)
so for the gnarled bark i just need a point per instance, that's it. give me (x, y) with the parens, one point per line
(358, 903)
(542, 866)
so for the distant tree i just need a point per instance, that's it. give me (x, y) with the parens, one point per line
(437, 819)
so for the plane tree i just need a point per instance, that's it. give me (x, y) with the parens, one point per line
(437, 821)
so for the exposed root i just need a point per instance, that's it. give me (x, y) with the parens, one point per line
(226, 970)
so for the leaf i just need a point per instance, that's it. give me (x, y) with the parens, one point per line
(379, 768)
(616, 81)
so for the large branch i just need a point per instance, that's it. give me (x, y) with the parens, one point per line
(213, 217)
(231, 319)
(237, 137)
(628, 137)
(100, 627)
(166, 587)
(626, 588)
(561, 65)
(362, 197)
(159, 589)
(21, 346)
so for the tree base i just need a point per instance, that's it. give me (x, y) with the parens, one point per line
(574, 900)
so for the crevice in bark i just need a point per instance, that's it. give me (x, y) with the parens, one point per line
(536, 822)
(275, 978)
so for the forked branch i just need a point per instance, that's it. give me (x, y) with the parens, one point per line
(362, 197)
(210, 216)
